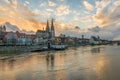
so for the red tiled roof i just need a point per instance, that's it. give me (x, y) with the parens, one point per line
(20, 34)
(25, 35)
(7, 33)
(33, 36)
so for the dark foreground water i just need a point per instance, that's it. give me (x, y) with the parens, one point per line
(81, 63)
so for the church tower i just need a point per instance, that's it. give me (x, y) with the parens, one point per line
(47, 27)
(4, 28)
(52, 29)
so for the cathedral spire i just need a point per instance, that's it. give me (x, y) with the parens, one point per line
(52, 29)
(47, 27)
(52, 24)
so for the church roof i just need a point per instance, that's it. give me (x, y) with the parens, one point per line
(96, 39)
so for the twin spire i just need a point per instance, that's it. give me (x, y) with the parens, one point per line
(52, 25)
(50, 30)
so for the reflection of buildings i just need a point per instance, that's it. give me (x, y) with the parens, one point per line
(50, 61)
(55, 62)
(56, 66)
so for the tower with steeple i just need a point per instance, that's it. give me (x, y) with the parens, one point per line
(47, 29)
(3, 28)
(52, 29)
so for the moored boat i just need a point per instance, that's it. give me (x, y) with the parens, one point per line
(58, 47)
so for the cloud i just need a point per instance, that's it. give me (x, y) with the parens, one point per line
(14, 28)
(7, 1)
(43, 14)
(68, 29)
(14, 2)
(102, 12)
(102, 3)
(61, 0)
(51, 3)
(43, 4)
(88, 5)
(76, 19)
(75, 12)
(85, 19)
(36, 12)
(117, 3)
(26, 3)
(50, 10)
(62, 10)
(107, 17)
(77, 27)
(11, 27)
(106, 32)
(96, 29)
(20, 16)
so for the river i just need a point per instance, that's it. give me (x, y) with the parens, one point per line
(75, 63)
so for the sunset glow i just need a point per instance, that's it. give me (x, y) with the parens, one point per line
(92, 17)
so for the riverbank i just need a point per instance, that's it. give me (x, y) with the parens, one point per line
(31, 48)
(20, 48)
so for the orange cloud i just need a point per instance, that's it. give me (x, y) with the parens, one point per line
(116, 38)
(88, 5)
(20, 16)
(51, 3)
(62, 10)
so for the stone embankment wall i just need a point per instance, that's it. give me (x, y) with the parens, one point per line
(20, 48)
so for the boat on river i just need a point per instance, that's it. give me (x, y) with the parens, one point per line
(52, 47)
(59, 47)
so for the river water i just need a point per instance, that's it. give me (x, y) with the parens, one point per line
(77, 63)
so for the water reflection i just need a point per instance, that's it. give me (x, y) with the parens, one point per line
(70, 64)
(50, 61)
(95, 50)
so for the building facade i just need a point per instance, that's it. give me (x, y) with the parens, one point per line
(2, 28)
(94, 40)
(44, 35)
(10, 38)
(2, 33)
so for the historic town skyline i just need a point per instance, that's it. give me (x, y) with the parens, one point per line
(88, 17)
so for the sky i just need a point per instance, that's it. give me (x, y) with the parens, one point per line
(72, 17)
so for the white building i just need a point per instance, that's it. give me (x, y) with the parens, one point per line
(10, 38)
(24, 39)
(94, 40)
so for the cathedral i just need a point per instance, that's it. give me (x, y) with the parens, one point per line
(2, 31)
(2, 28)
(49, 32)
